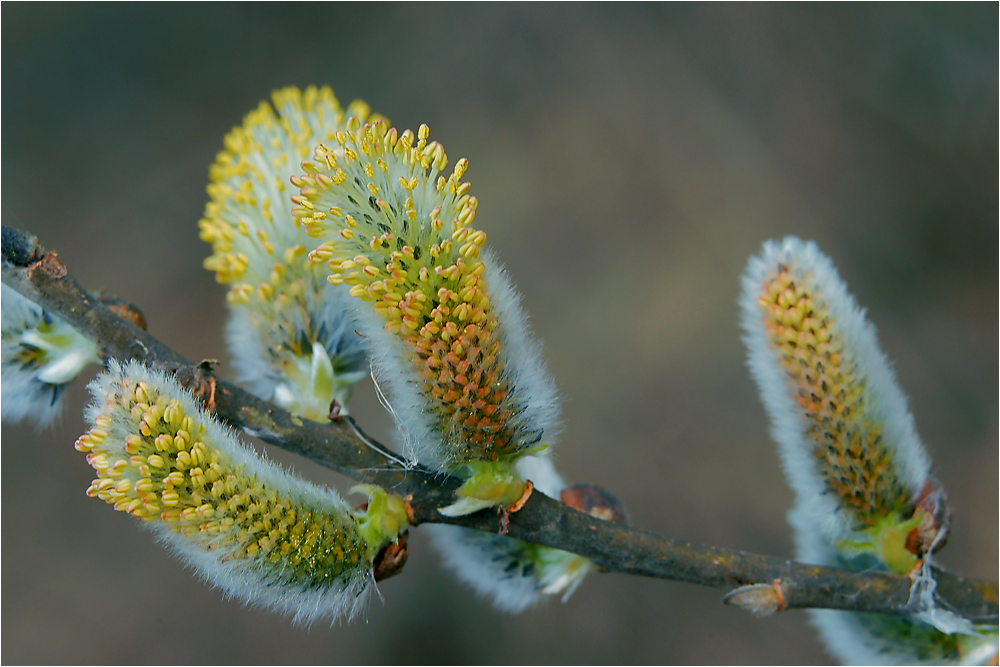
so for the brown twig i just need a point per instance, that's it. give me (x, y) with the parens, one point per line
(342, 446)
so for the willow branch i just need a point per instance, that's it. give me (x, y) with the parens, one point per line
(342, 446)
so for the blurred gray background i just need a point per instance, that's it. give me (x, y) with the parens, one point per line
(628, 160)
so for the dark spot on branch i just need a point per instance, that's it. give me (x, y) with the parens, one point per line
(20, 248)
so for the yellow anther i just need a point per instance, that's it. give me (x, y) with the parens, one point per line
(172, 414)
(176, 478)
(163, 442)
(440, 160)
(183, 460)
(406, 139)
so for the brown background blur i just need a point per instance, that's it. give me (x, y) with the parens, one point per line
(628, 160)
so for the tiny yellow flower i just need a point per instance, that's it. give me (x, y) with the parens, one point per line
(248, 219)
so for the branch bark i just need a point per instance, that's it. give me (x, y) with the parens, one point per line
(342, 446)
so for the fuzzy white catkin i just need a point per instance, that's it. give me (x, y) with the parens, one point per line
(840, 419)
(886, 403)
(291, 334)
(333, 315)
(259, 533)
(451, 345)
(40, 354)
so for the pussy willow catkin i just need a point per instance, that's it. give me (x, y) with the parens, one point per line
(847, 439)
(448, 336)
(40, 354)
(291, 334)
(262, 535)
(865, 498)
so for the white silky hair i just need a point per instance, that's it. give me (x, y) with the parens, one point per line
(399, 388)
(336, 321)
(532, 387)
(524, 364)
(30, 391)
(503, 570)
(238, 580)
(253, 364)
(333, 315)
(496, 568)
(887, 403)
(248, 580)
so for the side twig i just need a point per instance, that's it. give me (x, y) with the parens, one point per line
(342, 446)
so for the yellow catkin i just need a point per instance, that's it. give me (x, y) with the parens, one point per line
(400, 235)
(260, 250)
(163, 460)
(847, 439)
